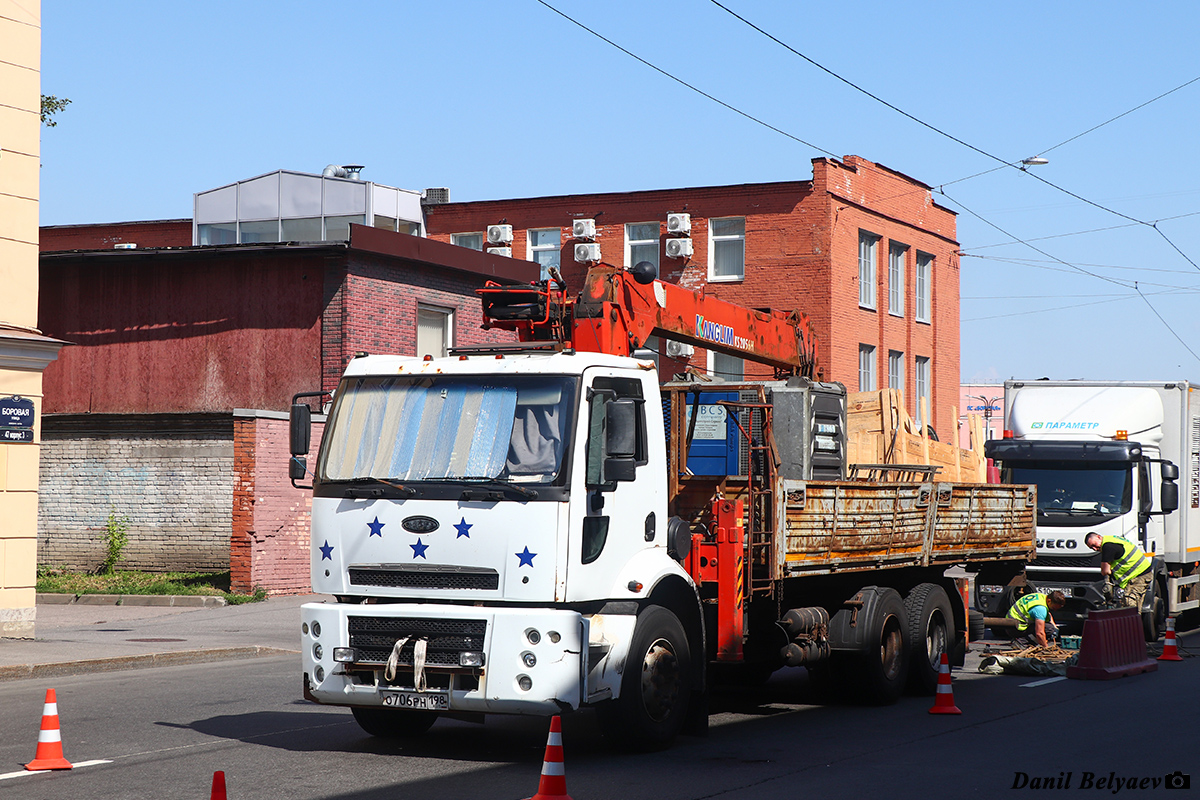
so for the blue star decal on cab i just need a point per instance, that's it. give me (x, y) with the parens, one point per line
(419, 550)
(526, 558)
(326, 551)
(463, 528)
(376, 528)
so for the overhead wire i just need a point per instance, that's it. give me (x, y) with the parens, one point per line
(682, 82)
(934, 128)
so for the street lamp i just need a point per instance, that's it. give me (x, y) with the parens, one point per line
(1033, 161)
(988, 402)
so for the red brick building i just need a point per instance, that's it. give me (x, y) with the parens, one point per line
(862, 249)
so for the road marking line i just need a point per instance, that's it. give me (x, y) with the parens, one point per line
(1044, 681)
(76, 765)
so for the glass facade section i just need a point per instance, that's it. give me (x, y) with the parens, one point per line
(338, 228)
(302, 230)
(217, 233)
(263, 231)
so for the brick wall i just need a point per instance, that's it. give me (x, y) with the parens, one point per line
(150, 233)
(801, 254)
(270, 543)
(171, 475)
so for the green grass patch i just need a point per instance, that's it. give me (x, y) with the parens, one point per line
(54, 581)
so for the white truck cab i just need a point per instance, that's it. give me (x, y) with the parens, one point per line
(487, 526)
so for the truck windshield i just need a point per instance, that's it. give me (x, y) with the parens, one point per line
(461, 428)
(1073, 488)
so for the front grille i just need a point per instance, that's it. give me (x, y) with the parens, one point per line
(404, 576)
(1066, 561)
(374, 638)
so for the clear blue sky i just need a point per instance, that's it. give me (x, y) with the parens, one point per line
(497, 100)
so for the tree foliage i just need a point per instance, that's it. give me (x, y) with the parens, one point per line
(51, 105)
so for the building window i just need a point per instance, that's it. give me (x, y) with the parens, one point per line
(922, 377)
(896, 257)
(473, 241)
(545, 249)
(866, 368)
(435, 331)
(896, 370)
(641, 243)
(923, 283)
(868, 244)
(264, 231)
(726, 367)
(727, 243)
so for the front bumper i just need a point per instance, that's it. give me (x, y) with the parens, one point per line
(533, 660)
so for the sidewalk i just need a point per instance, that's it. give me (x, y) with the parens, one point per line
(96, 634)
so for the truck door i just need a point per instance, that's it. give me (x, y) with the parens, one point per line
(623, 489)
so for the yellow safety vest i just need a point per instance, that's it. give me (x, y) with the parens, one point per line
(1021, 610)
(1133, 560)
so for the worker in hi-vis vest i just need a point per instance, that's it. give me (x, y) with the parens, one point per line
(1124, 564)
(1034, 621)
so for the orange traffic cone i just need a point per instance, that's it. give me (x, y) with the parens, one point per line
(49, 753)
(218, 787)
(554, 779)
(943, 703)
(1170, 649)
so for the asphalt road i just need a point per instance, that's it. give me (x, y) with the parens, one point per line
(162, 732)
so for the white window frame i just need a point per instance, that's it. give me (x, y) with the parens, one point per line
(897, 258)
(447, 315)
(922, 377)
(533, 250)
(630, 243)
(923, 286)
(726, 375)
(714, 240)
(868, 259)
(896, 370)
(459, 238)
(866, 368)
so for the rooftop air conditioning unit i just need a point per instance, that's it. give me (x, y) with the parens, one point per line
(587, 253)
(583, 229)
(678, 349)
(501, 251)
(679, 223)
(679, 248)
(499, 234)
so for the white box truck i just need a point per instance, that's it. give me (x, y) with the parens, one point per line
(1117, 458)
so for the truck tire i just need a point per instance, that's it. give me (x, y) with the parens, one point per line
(976, 629)
(883, 666)
(1154, 620)
(930, 633)
(655, 688)
(393, 723)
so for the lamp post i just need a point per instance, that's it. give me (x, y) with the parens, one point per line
(988, 402)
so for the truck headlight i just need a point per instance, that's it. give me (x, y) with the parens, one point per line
(317, 652)
(529, 660)
(470, 659)
(316, 629)
(345, 655)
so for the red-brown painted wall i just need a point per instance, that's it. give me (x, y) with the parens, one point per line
(148, 234)
(181, 332)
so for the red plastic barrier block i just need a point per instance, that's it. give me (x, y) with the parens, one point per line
(1113, 646)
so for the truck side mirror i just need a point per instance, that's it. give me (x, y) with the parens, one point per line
(297, 468)
(620, 439)
(1169, 497)
(301, 429)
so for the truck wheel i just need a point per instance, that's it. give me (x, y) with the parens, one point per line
(883, 665)
(655, 687)
(930, 633)
(1154, 621)
(977, 629)
(393, 723)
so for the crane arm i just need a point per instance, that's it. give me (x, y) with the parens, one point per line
(615, 313)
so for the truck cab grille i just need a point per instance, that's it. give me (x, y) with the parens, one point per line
(374, 638)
